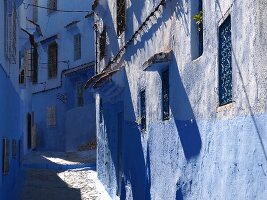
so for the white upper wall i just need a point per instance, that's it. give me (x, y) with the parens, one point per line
(55, 23)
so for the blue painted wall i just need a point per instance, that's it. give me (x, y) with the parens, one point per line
(9, 128)
(74, 125)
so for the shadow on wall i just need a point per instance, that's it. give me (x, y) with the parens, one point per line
(133, 165)
(183, 114)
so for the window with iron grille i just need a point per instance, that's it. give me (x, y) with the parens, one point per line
(52, 6)
(225, 62)
(51, 116)
(165, 95)
(103, 43)
(121, 15)
(35, 57)
(52, 60)
(35, 11)
(143, 109)
(80, 100)
(77, 46)
(14, 148)
(5, 158)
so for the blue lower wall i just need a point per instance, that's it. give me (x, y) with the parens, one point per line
(10, 115)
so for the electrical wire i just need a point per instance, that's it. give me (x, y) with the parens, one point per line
(26, 6)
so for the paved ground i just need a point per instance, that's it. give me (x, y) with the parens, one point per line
(47, 177)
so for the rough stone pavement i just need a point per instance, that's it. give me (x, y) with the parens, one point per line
(46, 183)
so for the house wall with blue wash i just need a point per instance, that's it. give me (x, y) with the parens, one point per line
(61, 27)
(204, 151)
(11, 112)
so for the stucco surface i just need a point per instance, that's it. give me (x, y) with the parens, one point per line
(205, 151)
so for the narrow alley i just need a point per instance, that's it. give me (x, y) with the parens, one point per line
(133, 100)
(61, 176)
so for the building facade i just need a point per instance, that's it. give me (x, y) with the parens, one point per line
(181, 98)
(61, 53)
(12, 133)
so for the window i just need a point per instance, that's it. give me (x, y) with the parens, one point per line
(20, 152)
(143, 109)
(51, 116)
(165, 95)
(52, 60)
(35, 11)
(14, 148)
(225, 62)
(5, 158)
(80, 100)
(77, 46)
(121, 6)
(100, 111)
(52, 6)
(197, 30)
(35, 57)
(22, 77)
(102, 43)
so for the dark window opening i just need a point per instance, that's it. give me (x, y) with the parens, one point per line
(100, 111)
(77, 47)
(103, 43)
(52, 60)
(35, 57)
(197, 30)
(80, 99)
(165, 95)
(225, 62)
(22, 77)
(29, 130)
(5, 156)
(121, 15)
(52, 6)
(143, 109)
(14, 148)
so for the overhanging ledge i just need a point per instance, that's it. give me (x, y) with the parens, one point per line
(157, 59)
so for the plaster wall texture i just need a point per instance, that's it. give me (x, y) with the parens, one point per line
(204, 151)
(11, 112)
(61, 27)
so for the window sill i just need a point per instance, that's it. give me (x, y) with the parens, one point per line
(225, 107)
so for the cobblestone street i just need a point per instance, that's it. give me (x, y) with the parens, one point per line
(48, 178)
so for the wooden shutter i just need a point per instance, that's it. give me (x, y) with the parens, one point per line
(5, 156)
(52, 60)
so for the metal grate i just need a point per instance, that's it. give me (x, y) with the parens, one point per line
(165, 95)
(225, 62)
(51, 116)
